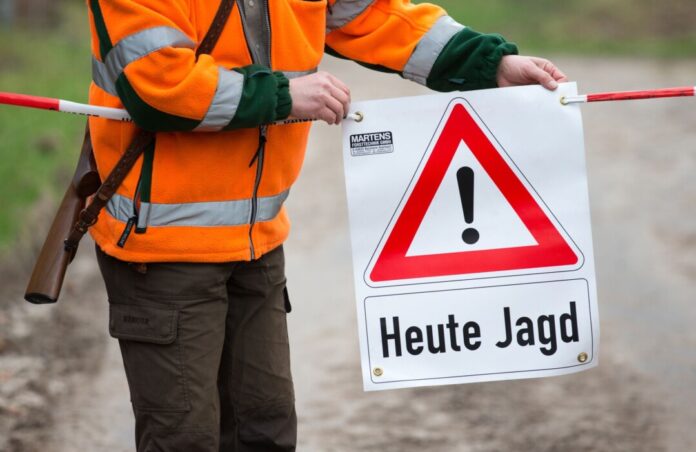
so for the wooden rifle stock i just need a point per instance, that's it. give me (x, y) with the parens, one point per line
(74, 216)
(49, 270)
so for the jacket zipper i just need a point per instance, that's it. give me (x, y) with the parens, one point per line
(255, 199)
(255, 57)
(259, 155)
(267, 18)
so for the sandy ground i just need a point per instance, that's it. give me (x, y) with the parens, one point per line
(641, 398)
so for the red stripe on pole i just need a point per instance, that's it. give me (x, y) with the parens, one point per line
(24, 100)
(686, 91)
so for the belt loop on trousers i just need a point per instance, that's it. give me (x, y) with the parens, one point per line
(138, 267)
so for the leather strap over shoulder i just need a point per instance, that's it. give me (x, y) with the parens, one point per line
(213, 35)
(89, 214)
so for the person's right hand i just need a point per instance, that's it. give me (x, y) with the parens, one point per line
(319, 96)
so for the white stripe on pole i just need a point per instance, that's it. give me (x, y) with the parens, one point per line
(118, 114)
(91, 110)
(580, 99)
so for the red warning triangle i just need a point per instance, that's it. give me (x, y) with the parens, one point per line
(551, 249)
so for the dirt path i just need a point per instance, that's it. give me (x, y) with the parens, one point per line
(641, 398)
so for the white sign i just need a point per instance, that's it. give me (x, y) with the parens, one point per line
(472, 244)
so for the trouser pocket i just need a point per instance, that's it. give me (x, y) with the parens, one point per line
(151, 355)
(286, 299)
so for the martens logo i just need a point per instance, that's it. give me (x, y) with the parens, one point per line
(371, 144)
(136, 320)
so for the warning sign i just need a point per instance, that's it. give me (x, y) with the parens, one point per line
(444, 250)
(471, 238)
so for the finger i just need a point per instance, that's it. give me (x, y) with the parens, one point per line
(556, 73)
(543, 78)
(327, 115)
(342, 97)
(339, 84)
(337, 108)
(550, 69)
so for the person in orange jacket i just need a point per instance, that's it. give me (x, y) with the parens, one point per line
(190, 247)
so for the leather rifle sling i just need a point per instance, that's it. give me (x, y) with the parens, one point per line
(142, 140)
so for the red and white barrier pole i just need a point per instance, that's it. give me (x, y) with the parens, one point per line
(686, 91)
(47, 103)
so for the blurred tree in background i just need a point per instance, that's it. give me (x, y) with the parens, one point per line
(664, 28)
(30, 12)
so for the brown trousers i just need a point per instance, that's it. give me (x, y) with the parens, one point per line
(205, 349)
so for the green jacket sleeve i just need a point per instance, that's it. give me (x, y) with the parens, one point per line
(469, 61)
(265, 98)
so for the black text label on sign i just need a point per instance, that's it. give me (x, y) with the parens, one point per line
(482, 331)
(450, 336)
(552, 248)
(371, 143)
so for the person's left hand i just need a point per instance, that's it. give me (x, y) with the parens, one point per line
(517, 70)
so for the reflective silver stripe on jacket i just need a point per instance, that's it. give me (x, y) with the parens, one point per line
(429, 48)
(227, 97)
(132, 48)
(221, 213)
(224, 106)
(344, 11)
(100, 77)
(295, 74)
(142, 43)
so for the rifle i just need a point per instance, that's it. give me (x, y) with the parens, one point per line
(47, 278)
(74, 216)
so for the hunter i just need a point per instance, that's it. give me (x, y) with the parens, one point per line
(190, 247)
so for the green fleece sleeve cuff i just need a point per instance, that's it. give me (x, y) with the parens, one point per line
(284, 104)
(469, 61)
(265, 98)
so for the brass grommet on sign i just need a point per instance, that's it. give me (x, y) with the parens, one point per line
(582, 357)
(378, 371)
(359, 116)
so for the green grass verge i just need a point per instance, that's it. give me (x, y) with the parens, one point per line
(588, 27)
(38, 148)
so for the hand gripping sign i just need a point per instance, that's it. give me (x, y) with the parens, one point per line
(472, 245)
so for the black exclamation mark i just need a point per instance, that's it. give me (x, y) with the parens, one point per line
(465, 179)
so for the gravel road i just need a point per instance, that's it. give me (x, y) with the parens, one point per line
(641, 398)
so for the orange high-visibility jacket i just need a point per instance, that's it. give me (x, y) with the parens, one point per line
(212, 187)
